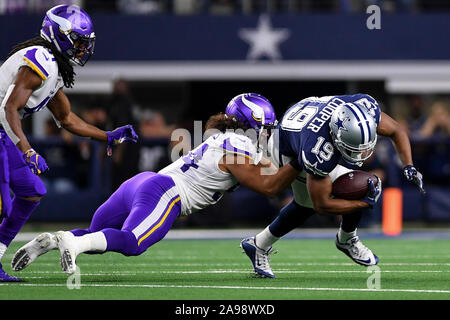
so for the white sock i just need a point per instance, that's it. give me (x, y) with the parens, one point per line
(2, 250)
(91, 242)
(344, 236)
(265, 239)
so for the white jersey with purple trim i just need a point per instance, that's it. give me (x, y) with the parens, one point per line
(41, 61)
(197, 176)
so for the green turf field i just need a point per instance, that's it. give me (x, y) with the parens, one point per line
(216, 269)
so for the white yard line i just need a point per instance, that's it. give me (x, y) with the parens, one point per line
(114, 273)
(301, 233)
(274, 264)
(162, 286)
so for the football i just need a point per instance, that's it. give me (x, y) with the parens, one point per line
(352, 185)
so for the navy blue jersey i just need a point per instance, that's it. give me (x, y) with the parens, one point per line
(305, 131)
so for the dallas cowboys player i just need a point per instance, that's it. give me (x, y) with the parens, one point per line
(143, 209)
(320, 132)
(31, 78)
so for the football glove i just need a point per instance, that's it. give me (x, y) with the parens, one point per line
(35, 161)
(119, 135)
(414, 176)
(374, 192)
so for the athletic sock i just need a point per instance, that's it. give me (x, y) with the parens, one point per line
(350, 221)
(344, 236)
(291, 216)
(93, 242)
(265, 239)
(2, 250)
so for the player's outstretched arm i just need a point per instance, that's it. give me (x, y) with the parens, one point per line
(262, 178)
(60, 107)
(319, 189)
(388, 127)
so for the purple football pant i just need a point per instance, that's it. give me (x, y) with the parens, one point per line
(137, 215)
(17, 176)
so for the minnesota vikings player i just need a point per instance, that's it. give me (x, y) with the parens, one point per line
(143, 209)
(320, 133)
(32, 78)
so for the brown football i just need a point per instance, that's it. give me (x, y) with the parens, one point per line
(352, 185)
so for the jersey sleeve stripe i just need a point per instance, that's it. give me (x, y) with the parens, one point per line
(30, 58)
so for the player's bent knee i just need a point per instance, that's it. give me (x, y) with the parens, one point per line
(33, 191)
(140, 250)
(132, 245)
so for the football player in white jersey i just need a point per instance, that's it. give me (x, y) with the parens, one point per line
(142, 210)
(32, 78)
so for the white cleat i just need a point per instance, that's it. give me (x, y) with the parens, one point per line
(356, 251)
(67, 248)
(43, 243)
(259, 257)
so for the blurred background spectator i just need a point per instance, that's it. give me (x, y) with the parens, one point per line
(81, 176)
(226, 7)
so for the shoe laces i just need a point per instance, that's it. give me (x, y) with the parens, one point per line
(264, 257)
(357, 247)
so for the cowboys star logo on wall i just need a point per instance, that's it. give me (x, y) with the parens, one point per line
(264, 41)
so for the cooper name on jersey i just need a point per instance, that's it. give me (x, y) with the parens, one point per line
(324, 115)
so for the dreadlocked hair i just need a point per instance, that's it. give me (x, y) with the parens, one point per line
(65, 69)
(223, 122)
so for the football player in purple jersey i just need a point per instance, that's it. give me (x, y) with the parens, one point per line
(323, 133)
(142, 210)
(32, 78)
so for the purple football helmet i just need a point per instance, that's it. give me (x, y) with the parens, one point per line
(70, 29)
(253, 110)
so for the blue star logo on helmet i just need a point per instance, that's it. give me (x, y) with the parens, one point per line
(340, 124)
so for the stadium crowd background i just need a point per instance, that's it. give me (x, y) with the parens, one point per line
(81, 176)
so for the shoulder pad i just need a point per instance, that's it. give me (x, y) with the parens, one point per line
(41, 61)
(239, 144)
(368, 102)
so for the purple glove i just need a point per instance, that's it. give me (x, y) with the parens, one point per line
(119, 135)
(35, 161)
